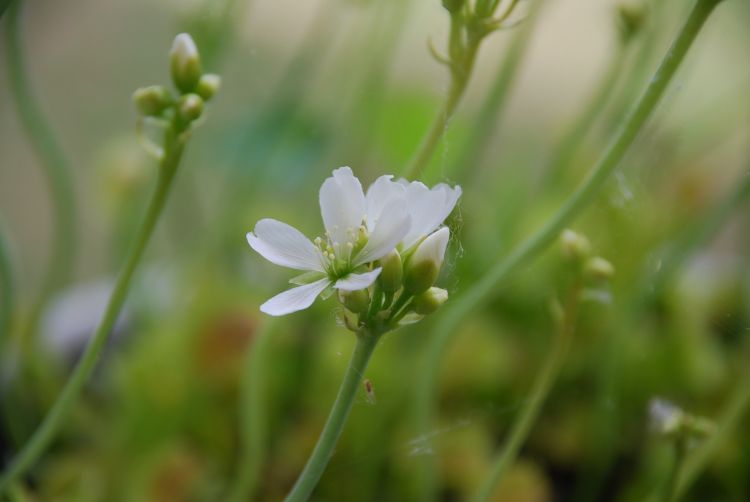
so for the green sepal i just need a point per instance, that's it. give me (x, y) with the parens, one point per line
(326, 294)
(307, 278)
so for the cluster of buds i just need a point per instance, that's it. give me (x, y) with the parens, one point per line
(594, 271)
(405, 290)
(194, 88)
(670, 421)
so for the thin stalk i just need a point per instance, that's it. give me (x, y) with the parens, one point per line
(580, 199)
(680, 449)
(321, 455)
(737, 407)
(533, 405)
(54, 419)
(494, 105)
(57, 169)
(571, 142)
(253, 428)
(7, 287)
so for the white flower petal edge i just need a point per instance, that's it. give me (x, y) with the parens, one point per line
(389, 229)
(354, 282)
(284, 245)
(433, 247)
(342, 204)
(428, 208)
(295, 299)
(380, 195)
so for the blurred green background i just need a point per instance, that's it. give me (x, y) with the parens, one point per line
(308, 87)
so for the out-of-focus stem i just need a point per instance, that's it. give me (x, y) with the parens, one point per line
(55, 417)
(546, 377)
(696, 461)
(571, 142)
(530, 248)
(253, 414)
(494, 105)
(7, 286)
(56, 167)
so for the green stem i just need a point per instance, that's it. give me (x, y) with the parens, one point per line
(54, 419)
(542, 385)
(494, 106)
(7, 287)
(680, 449)
(321, 455)
(459, 80)
(530, 248)
(571, 142)
(253, 420)
(738, 406)
(56, 167)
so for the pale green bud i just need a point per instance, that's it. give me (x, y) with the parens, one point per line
(631, 19)
(190, 107)
(208, 86)
(424, 265)
(392, 273)
(152, 100)
(185, 63)
(453, 6)
(429, 301)
(574, 245)
(356, 301)
(599, 269)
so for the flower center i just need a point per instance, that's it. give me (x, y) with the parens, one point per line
(338, 256)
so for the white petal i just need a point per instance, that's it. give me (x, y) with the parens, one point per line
(354, 282)
(428, 208)
(284, 245)
(342, 204)
(294, 299)
(432, 248)
(390, 228)
(379, 195)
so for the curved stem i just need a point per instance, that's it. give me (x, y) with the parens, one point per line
(584, 195)
(542, 385)
(321, 455)
(56, 167)
(680, 448)
(253, 425)
(494, 106)
(54, 419)
(459, 79)
(738, 406)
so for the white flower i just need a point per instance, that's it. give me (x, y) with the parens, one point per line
(359, 230)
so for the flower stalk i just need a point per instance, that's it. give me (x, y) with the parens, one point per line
(176, 134)
(537, 242)
(468, 27)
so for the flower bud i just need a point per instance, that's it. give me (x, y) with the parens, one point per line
(185, 63)
(424, 265)
(574, 245)
(630, 19)
(190, 107)
(208, 86)
(429, 301)
(453, 6)
(392, 273)
(599, 269)
(665, 418)
(152, 100)
(356, 301)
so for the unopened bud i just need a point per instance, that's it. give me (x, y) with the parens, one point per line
(630, 19)
(574, 245)
(190, 107)
(185, 63)
(392, 274)
(152, 100)
(356, 301)
(453, 6)
(208, 86)
(599, 269)
(424, 265)
(429, 301)
(665, 418)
